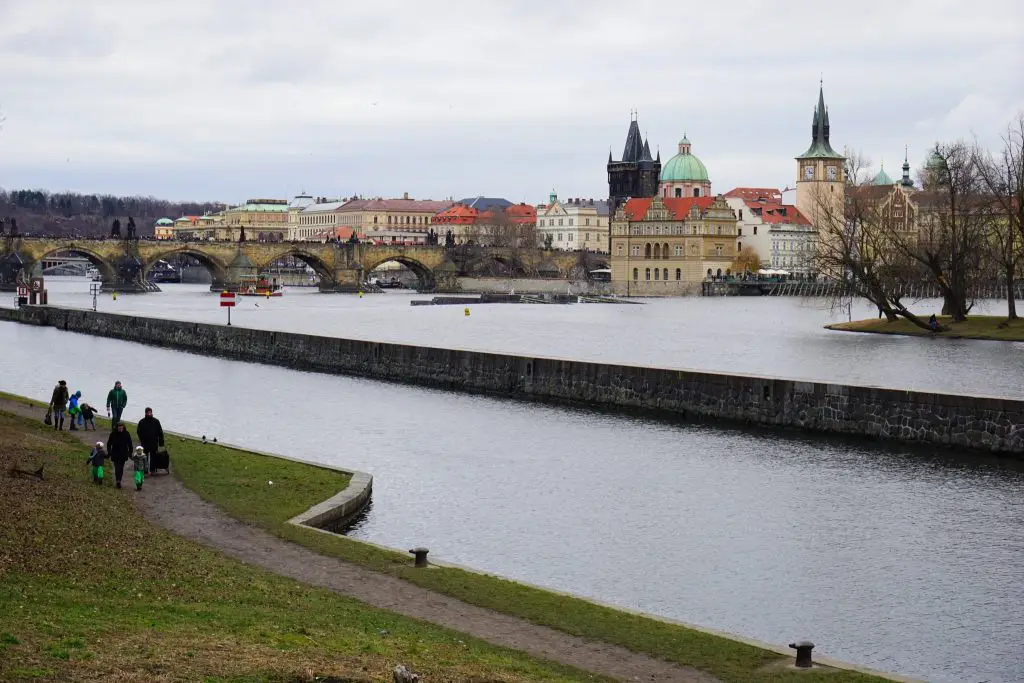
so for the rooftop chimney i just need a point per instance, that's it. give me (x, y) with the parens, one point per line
(405, 195)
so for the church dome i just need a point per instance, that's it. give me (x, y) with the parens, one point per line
(882, 178)
(684, 167)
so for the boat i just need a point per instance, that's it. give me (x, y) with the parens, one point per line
(93, 273)
(162, 271)
(258, 285)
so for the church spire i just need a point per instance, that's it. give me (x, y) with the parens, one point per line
(820, 147)
(906, 181)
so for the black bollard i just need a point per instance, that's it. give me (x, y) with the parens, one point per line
(421, 557)
(803, 653)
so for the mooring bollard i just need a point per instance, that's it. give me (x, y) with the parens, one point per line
(803, 653)
(421, 556)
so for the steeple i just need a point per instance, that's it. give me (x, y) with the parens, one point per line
(634, 149)
(647, 152)
(906, 181)
(820, 147)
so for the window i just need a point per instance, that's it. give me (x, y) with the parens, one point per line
(636, 274)
(570, 221)
(647, 274)
(755, 229)
(718, 229)
(665, 271)
(664, 252)
(696, 192)
(656, 274)
(647, 252)
(741, 214)
(618, 251)
(679, 251)
(635, 251)
(587, 223)
(657, 251)
(569, 237)
(560, 222)
(679, 274)
(739, 232)
(559, 237)
(587, 238)
(739, 246)
(718, 250)
(679, 192)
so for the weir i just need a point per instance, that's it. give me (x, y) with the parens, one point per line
(974, 422)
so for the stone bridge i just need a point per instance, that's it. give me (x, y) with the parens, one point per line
(342, 267)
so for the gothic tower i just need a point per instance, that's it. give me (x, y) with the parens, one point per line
(636, 174)
(820, 181)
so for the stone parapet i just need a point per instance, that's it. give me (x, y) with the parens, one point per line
(992, 424)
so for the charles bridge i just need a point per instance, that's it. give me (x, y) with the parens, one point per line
(342, 267)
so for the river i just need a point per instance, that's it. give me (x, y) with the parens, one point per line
(902, 559)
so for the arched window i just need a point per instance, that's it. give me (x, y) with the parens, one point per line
(664, 252)
(619, 250)
(656, 274)
(679, 274)
(647, 274)
(664, 274)
(679, 192)
(657, 251)
(696, 192)
(647, 252)
(636, 274)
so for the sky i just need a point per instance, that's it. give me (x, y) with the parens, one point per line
(210, 100)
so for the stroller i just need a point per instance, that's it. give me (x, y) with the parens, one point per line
(160, 460)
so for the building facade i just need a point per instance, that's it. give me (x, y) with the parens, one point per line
(405, 214)
(163, 229)
(684, 175)
(821, 175)
(573, 224)
(668, 246)
(501, 224)
(261, 219)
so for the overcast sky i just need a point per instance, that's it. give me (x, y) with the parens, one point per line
(263, 98)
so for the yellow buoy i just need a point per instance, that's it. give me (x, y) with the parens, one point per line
(115, 295)
(466, 311)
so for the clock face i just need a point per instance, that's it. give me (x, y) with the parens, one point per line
(808, 172)
(831, 172)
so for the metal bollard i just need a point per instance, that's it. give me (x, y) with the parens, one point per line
(803, 653)
(421, 556)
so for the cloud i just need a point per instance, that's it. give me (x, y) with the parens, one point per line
(214, 100)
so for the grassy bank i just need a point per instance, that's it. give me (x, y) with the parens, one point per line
(91, 591)
(229, 478)
(991, 327)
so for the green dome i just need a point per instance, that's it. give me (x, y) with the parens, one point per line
(684, 168)
(882, 178)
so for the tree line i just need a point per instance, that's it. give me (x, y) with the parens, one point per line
(961, 231)
(39, 212)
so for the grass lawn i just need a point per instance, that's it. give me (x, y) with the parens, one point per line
(992, 327)
(89, 590)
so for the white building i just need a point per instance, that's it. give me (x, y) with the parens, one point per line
(314, 219)
(573, 224)
(782, 236)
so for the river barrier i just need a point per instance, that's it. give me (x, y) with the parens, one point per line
(975, 422)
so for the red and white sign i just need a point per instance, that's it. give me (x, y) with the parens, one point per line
(227, 299)
(22, 290)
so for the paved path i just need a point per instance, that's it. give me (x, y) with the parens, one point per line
(165, 501)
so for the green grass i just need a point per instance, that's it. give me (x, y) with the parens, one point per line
(990, 327)
(229, 478)
(89, 590)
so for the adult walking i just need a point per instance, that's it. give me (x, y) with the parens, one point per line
(119, 450)
(58, 402)
(151, 437)
(117, 399)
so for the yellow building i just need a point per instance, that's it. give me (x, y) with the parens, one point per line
(163, 229)
(668, 246)
(262, 219)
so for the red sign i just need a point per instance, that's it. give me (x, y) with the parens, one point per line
(22, 290)
(227, 299)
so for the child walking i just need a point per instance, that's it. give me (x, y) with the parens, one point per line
(95, 460)
(139, 463)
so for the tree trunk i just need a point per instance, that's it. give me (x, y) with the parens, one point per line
(1011, 304)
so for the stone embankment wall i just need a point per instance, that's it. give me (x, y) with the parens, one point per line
(913, 416)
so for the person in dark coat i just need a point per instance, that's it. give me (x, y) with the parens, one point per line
(119, 450)
(151, 436)
(58, 403)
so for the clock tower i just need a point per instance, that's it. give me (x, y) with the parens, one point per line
(820, 180)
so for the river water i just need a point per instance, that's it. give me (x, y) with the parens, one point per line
(901, 559)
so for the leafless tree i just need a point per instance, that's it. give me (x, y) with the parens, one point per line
(1002, 177)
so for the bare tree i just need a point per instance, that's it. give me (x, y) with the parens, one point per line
(1003, 179)
(747, 261)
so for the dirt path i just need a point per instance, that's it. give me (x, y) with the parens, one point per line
(165, 501)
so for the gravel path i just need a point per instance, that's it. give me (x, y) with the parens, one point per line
(165, 501)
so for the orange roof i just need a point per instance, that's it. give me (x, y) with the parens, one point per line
(752, 194)
(458, 214)
(344, 232)
(636, 208)
(782, 213)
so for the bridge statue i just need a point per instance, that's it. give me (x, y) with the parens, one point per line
(115, 228)
(131, 228)
(14, 226)
(241, 233)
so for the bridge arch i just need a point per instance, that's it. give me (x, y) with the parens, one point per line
(424, 275)
(108, 270)
(496, 265)
(319, 266)
(217, 269)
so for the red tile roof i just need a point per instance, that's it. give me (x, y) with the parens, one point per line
(752, 194)
(679, 207)
(782, 213)
(460, 214)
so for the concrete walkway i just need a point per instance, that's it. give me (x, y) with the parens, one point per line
(166, 502)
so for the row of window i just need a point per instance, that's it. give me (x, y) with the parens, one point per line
(658, 275)
(661, 251)
(551, 222)
(675, 230)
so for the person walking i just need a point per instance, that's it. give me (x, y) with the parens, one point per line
(119, 449)
(88, 416)
(58, 402)
(151, 437)
(117, 399)
(74, 411)
(95, 460)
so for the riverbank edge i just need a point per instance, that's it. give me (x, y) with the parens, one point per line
(973, 422)
(902, 328)
(360, 491)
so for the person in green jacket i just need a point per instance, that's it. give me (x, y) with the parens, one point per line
(117, 399)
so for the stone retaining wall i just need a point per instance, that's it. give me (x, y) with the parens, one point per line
(914, 416)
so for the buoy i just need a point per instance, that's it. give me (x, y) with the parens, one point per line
(115, 295)
(466, 311)
(360, 295)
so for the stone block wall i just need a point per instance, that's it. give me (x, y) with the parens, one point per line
(913, 416)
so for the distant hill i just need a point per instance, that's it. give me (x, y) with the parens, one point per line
(39, 212)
